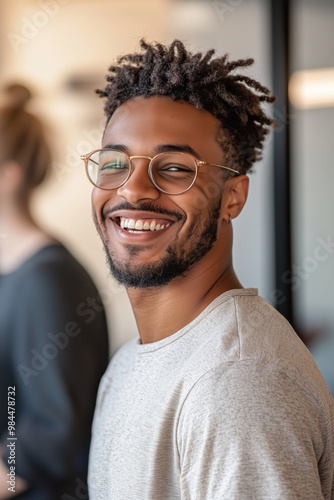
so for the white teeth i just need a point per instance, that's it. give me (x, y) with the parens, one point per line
(139, 225)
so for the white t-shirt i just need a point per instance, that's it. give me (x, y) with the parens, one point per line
(231, 407)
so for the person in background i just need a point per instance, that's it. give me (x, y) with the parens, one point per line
(53, 331)
(218, 398)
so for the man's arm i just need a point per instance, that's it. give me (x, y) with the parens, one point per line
(247, 431)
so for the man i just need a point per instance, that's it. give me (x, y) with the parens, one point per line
(218, 398)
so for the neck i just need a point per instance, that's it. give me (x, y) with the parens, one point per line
(20, 236)
(160, 312)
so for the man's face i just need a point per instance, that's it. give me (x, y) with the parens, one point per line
(186, 226)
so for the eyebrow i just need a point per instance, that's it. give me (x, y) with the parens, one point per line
(160, 148)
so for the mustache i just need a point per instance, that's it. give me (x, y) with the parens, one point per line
(147, 207)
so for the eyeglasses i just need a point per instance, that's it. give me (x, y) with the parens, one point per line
(171, 173)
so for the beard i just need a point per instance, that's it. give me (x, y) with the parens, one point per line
(178, 259)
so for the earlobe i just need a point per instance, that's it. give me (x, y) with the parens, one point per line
(236, 192)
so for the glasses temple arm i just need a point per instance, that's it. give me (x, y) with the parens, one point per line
(84, 157)
(220, 166)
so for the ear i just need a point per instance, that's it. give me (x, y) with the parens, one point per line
(235, 197)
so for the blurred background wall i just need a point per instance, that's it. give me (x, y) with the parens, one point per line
(62, 49)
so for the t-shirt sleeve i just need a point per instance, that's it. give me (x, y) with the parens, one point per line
(247, 431)
(58, 359)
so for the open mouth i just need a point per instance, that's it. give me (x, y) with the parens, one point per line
(141, 225)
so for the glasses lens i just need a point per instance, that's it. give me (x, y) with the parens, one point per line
(173, 172)
(108, 169)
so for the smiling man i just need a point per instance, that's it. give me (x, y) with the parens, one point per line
(217, 398)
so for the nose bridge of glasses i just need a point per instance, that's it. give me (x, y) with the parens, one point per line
(136, 175)
(139, 183)
(140, 157)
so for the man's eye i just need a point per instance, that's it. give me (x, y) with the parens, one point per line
(173, 167)
(113, 166)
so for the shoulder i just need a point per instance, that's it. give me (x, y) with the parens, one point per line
(52, 290)
(251, 355)
(244, 314)
(253, 313)
(240, 326)
(55, 260)
(53, 272)
(244, 326)
(266, 336)
(258, 383)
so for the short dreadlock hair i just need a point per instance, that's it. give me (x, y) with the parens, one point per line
(205, 82)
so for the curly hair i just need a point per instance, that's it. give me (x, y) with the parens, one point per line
(205, 82)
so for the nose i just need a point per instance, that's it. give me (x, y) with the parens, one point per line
(139, 186)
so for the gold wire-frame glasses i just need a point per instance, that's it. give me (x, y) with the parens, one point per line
(161, 182)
